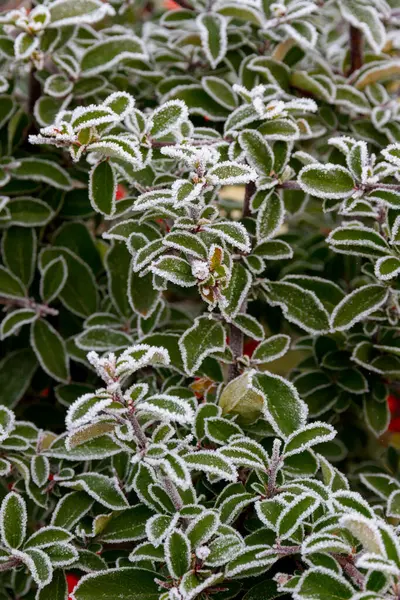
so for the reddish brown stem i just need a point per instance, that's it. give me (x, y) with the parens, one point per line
(356, 49)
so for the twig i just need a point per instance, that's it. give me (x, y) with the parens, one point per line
(348, 566)
(172, 492)
(138, 431)
(249, 191)
(10, 564)
(356, 49)
(41, 309)
(274, 468)
(236, 345)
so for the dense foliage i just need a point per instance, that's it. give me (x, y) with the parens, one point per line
(200, 242)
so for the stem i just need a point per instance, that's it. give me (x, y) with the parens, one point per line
(10, 564)
(274, 468)
(351, 570)
(138, 431)
(34, 92)
(236, 345)
(41, 309)
(172, 492)
(249, 191)
(356, 49)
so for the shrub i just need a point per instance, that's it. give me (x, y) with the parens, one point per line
(200, 226)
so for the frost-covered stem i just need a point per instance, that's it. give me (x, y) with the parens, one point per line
(249, 191)
(285, 550)
(236, 345)
(41, 309)
(138, 431)
(172, 492)
(9, 564)
(351, 570)
(273, 468)
(356, 49)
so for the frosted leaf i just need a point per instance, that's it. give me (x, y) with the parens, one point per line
(213, 35)
(139, 356)
(365, 530)
(230, 172)
(167, 408)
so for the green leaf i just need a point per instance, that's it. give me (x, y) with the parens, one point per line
(230, 173)
(68, 12)
(13, 520)
(387, 267)
(124, 583)
(54, 277)
(367, 19)
(187, 242)
(299, 306)
(377, 415)
(104, 55)
(323, 584)
(279, 129)
(15, 320)
(101, 488)
(103, 188)
(357, 305)
(38, 564)
(295, 513)
(70, 509)
(258, 152)
(29, 212)
(213, 32)
(174, 269)
(270, 217)
(202, 339)
(45, 171)
(242, 398)
(79, 294)
(233, 233)
(266, 590)
(220, 91)
(50, 350)
(177, 553)
(16, 370)
(238, 288)
(211, 462)
(271, 349)
(128, 525)
(273, 250)
(101, 339)
(393, 506)
(168, 118)
(326, 181)
(10, 285)
(310, 435)
(7, 107)
(57, 589)
(249, 326)
(19, 252)
(283, 408)
(241, 13)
